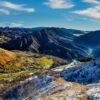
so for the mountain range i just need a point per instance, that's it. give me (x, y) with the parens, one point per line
(52, 41)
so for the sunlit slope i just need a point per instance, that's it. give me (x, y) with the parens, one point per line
(6, 56)
(16, 61)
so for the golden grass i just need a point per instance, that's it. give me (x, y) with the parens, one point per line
(43, 62)
(18, 61)
(6, 56)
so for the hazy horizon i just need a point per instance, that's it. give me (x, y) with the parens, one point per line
(49, 27)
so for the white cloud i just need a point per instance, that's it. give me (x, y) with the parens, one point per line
(17, 7)
(4, 11)
(59, 4)
(16, 25)
(92, 1)
(91, 12)
(13, 24)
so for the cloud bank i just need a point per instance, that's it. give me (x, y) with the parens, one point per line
(93, 11)
(6, 7)
(59, 4)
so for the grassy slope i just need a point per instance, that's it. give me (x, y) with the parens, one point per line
(17, 64)
(6, 56)
(13, 64)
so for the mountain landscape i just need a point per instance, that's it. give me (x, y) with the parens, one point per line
(49, 62)
(49, 49)
(52, 41)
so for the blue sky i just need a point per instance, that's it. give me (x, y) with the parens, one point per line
(75, 14)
